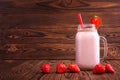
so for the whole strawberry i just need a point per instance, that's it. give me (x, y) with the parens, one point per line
(96, 20)
(74, 68)
(61, 68)
(99, 69)
(45, 68)
(109, 68)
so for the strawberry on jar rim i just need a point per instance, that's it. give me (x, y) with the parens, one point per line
(96, 20)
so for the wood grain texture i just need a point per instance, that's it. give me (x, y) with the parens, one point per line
(42, 28)
(30, 70)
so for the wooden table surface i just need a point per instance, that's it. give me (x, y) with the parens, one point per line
(34, 32)
(30, 70)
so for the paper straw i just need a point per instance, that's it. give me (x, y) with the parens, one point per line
(80, 21)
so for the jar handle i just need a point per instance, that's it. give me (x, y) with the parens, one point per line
(105, 46)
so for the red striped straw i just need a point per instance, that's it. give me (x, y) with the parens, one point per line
(80, 21)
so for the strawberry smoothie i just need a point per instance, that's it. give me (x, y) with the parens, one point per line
(87, 43)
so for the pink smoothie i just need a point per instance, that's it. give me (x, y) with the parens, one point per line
(87, 43)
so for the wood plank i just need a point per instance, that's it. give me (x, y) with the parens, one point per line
(30, 70)
(41, 35)
(63, 5)
(54, 32)
(37, 20)
(49, 40)
(108, 76)
(64, 40)
(7, 65)
(40, 51)
(24, 71)
(42, 22)
(105, 76)
(115, 65)
(28, 51)
(113, 51)
(56, 51)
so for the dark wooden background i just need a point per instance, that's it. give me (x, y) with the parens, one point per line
(45, 29)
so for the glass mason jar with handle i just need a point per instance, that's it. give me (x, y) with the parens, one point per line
(87, 45)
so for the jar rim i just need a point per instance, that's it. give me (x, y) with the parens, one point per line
(87, 27)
